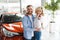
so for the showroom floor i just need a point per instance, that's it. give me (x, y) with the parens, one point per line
(54, 33)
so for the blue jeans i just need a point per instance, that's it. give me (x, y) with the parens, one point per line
(37, 35)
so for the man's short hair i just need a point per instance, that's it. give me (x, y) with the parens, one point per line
(29, 6)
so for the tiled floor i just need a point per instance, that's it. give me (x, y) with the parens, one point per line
(50, 36)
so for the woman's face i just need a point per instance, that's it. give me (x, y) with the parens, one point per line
(39, 12)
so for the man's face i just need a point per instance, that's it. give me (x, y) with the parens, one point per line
(30, 10)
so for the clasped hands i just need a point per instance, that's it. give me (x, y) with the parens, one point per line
(37, 29)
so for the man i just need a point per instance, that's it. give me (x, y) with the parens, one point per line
(28, 23)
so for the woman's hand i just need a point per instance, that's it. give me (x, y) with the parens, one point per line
(37, 29)
(39, 15)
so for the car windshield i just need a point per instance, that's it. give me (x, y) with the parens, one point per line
(11, 18)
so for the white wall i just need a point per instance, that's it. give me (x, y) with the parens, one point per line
(35, 3)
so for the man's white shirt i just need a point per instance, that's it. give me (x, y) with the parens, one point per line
(30, 16)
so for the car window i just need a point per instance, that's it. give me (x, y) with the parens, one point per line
(11, 18)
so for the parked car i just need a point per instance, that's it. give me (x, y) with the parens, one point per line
(12, 27)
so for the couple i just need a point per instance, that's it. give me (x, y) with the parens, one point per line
(32, 25)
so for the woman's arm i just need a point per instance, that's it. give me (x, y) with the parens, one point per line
(42, 25)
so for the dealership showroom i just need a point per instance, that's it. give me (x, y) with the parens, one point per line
(12, 12)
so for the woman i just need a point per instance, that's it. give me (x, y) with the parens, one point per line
(38, 24)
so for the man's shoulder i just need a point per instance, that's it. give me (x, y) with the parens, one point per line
(25, 17)
(34, 16)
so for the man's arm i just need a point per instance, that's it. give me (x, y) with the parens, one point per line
(25, 24)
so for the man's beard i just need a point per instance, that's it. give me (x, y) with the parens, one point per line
(30, 12)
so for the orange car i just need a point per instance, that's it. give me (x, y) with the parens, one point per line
(11, 26)
(14, 27)
(13, 23)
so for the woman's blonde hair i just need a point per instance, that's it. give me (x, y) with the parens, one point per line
(39, 8)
